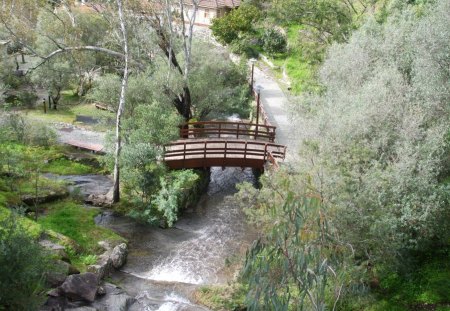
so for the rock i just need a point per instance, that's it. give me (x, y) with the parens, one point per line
(119, 255)
(101, 291)
(73, 270)
(29, 199)
(54, 293)
(55, 279)
(116, 301)
(120, 302)
(55, 304)
(103, 266)
(55, 249)
(82, 309)
(80, 286)
(66, 268)
(105, 245)
(99, 199)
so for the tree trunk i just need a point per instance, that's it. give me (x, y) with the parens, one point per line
(116, 186)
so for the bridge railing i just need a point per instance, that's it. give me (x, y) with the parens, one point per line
(207, 153)
(225, 129)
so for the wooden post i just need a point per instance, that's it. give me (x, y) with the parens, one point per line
(251, 80)
(265, 152)
(225, 154)
(257, 114)
(220, 129)
(184, 153)
(204, 155)
(237, 134)
(45, 106)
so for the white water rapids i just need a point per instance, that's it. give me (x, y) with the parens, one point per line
(165, 266)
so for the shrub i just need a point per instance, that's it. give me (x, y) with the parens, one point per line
(229, 27)
(42, 135)
(274, 41)
(22, 268)
(381, 134)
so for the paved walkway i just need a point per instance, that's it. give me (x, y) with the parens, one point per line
(275, 103)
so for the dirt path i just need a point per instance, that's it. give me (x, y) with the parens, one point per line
(276, 103)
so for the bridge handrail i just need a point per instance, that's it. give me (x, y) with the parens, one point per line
(277, 151)
(257, 131)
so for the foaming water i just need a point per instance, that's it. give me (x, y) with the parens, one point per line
(167, 263)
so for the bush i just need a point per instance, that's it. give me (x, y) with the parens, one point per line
(274, 41)
(381, 134)
(42, 135)
(27, 99)
(19, 130)
(22, 268)
(239, 21)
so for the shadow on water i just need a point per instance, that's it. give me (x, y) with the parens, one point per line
(165, 266)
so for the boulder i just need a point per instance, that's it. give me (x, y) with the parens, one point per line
(118, 302)
(55, 279)
(80, 287)
(55, 249)
(29, 199)
(119, 255)
(103, 266)
(102, 200)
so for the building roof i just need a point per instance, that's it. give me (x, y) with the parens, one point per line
(217, 4)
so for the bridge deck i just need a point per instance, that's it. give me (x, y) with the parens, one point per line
(202, 153)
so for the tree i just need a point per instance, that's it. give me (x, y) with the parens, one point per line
(229, 27)
(23, 265)
(298, 262)
(55, 77)
(378, 137)
(120, 109)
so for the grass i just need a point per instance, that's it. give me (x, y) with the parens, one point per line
(51, 159)
(70, 106)
(77, 223)
(32, 228)
(425, 287)
(298, 69)
(64, 166)
(217, 297)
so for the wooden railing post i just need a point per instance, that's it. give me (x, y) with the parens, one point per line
(225, 153)
(258, 104)
(184, 154)
(237, 134)
(220, 129)
(265, 152)
(204, 154)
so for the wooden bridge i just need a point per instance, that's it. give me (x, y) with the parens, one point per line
(220, 143)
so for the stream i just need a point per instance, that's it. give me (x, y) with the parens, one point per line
(165, 266)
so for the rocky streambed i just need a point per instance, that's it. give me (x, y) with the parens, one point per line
(165, 266)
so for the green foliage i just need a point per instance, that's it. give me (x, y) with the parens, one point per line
(299, 262)
(22, 267)
(18, 129)
(88, 259)
(273, 41)
(222, 297)
(152, 126)
(381, 151)
(229, 27)
(77, 222)
(218, 86)
(64, 166)
(176, 190)
(174, 194)
(32, 229)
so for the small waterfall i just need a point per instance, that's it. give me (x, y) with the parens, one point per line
(166, 265)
